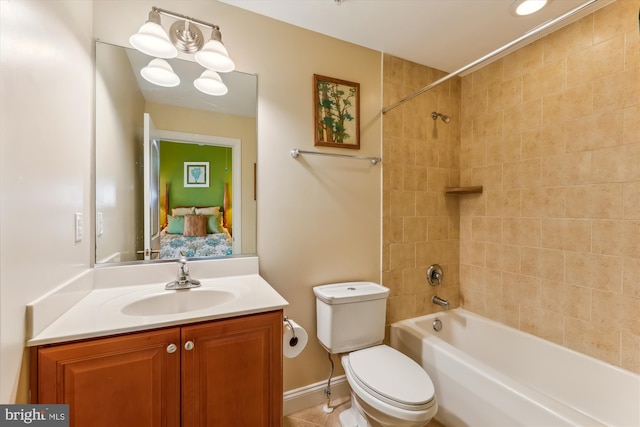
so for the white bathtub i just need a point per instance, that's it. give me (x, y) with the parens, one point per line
(487, 374)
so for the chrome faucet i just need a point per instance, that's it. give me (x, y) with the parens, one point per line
(441, 302)
(183, 281)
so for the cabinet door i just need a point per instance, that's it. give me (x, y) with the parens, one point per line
(125, 381)
(233, 374)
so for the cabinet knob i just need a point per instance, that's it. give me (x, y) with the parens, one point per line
(188, 345)
(171, 348)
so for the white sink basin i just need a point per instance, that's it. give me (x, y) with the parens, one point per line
(172, 302)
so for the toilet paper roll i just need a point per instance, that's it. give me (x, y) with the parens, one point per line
(293, 340)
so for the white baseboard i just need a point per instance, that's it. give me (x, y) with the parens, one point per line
(313, 395)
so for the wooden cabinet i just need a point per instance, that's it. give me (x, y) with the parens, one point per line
(222, 373)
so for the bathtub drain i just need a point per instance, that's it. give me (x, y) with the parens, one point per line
(437, 325)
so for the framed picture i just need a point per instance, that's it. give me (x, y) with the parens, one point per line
(196, 174)
(336, 112)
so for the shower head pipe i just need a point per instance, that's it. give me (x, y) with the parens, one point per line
(444, 117)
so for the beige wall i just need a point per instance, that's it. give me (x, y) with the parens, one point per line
(421, 158)
(552, 132)
(46, 137)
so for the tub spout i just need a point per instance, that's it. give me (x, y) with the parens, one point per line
(441, 302)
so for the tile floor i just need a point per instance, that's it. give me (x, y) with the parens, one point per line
(316, 417)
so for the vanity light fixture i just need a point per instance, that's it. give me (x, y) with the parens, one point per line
(527, 7)
(160, 73)
(184, 36)
(210, 83)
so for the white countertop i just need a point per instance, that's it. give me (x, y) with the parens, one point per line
(99, 313)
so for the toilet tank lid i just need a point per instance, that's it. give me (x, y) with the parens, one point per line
(342, 293)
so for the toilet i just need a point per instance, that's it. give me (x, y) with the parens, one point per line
(387, 387)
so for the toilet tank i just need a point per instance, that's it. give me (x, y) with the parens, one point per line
(350, 315)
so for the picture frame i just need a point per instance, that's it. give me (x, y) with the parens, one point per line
(196, 174)
(336, 112)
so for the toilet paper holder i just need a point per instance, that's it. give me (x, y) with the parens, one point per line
(294, 340)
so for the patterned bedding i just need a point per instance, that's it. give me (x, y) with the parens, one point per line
(172, 245)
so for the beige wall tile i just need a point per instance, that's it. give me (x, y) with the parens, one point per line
(616, 19)
(402, 255)
(630, 277)
(572, 103)
(564, 170)
(527, 60)
(567, 234)
(520, 288)
(631, 125)
(542, 323)
(521, 231)
(596, 61)
(595, 201)
(545, 202)
(544, 142)
(620, 238)
(504, 203)
(572, 38)
(486, 229)
(595, 271)
(490, 177)
(503, 257)
(543, 263)
(616, 164)
(591, 339)
(630, 352)
(610, 310)
(504, 95)
(402, 203)
(570, 300)
(523, 174)
(415, 229)
(595, 131)
(617, 90)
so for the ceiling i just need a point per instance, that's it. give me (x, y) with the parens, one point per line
(444, 34)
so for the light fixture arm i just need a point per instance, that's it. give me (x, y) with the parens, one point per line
(184, 17)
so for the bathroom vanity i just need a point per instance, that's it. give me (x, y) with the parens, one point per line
(219, 373)
(142, 356)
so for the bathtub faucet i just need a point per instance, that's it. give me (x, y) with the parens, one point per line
(441, 302)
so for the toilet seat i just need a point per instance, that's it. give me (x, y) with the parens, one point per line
(391, 377)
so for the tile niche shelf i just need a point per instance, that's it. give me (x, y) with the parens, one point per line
(463, 190)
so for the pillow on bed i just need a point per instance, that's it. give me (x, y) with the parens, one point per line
(175, 224)
(195, 225)
(214, 224)
(182, 211)
(211, 210)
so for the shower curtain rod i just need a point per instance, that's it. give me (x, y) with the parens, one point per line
(536, 30)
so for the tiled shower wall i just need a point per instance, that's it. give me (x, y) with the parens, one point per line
(552, 132)
(421, 157)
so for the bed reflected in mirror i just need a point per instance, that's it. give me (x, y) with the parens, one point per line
(174, 167)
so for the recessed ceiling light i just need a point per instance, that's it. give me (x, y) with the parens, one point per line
(527, 7)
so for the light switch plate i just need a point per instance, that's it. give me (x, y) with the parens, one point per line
(78, 226)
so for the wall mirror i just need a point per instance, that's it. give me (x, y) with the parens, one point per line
(174, 167)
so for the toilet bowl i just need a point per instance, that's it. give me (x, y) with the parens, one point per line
(387, 389)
